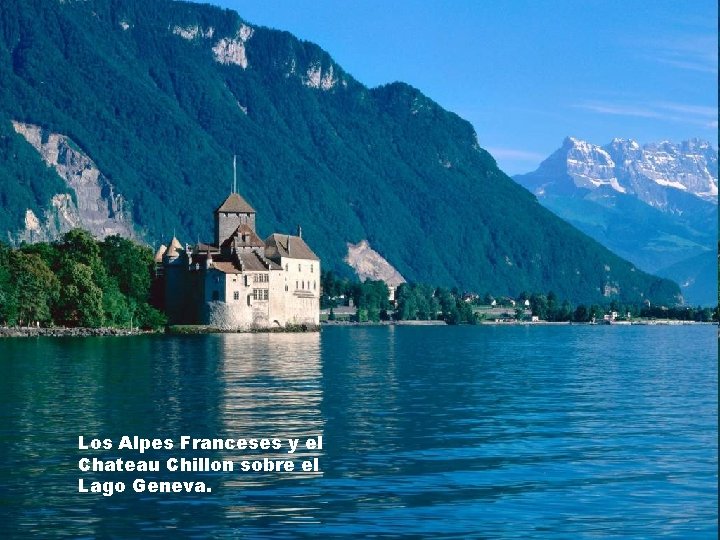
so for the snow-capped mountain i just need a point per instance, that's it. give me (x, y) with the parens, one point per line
(655, 204)
(654, 173)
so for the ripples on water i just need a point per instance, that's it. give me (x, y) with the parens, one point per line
(467, 432)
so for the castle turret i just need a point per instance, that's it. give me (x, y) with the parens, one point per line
(174, 271)
(173, 250)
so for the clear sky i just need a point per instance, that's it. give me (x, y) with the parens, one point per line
(528, 73)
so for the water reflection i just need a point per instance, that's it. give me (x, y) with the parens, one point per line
(431, 432)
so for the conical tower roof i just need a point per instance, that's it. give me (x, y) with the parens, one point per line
(174, 248)
(160, 252)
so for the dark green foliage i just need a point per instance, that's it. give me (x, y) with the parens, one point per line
(162, 120)
(25, 181)
(129, 263)
(81, 300)
(416, 301)
(371, 298)
(34, 287)
(78, 282)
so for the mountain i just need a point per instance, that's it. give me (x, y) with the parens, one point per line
(154, 98)
(697, 276)
(655, 205)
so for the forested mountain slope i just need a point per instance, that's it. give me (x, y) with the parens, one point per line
(159, 95)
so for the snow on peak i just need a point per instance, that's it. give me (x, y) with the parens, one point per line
(590, 166)
(651, 171)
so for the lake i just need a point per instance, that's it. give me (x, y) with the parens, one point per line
(437, 432)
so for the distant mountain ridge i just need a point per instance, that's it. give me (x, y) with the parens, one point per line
(655, 204)
(654, 173)
(160, 95)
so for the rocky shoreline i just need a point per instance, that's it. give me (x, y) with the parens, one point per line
(22, 331)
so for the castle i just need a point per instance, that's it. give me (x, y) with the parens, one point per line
(241, 282)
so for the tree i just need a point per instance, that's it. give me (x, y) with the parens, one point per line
(81, 300)
(81, 247)
(581, 314)
(34, 287)
(8, 300)
(130, 263)
(539, 306)
(406, 302)
(149, 318)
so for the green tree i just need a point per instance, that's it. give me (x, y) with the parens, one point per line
(35, 287)
(8, 300)
(149, 318)
(130, 264)
(539, 306)
(79, 246)
(81, 300)
(581, 314)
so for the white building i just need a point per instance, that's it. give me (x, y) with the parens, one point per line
(241, 282)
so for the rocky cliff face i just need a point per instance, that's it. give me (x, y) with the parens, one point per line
(369, 264)
(90, 202)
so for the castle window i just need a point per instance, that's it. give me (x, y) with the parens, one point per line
(297, 284)
(260, 294)
(299, 268)
(266, 294)
(286, 267)
(314, 285)
(286, 287)
(236, 295)
(311, 268)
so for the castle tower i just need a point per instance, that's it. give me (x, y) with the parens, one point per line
(235, 211)
(174, 267)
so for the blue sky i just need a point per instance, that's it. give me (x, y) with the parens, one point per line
(528, 73)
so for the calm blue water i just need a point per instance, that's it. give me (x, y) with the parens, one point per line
(464, 432)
